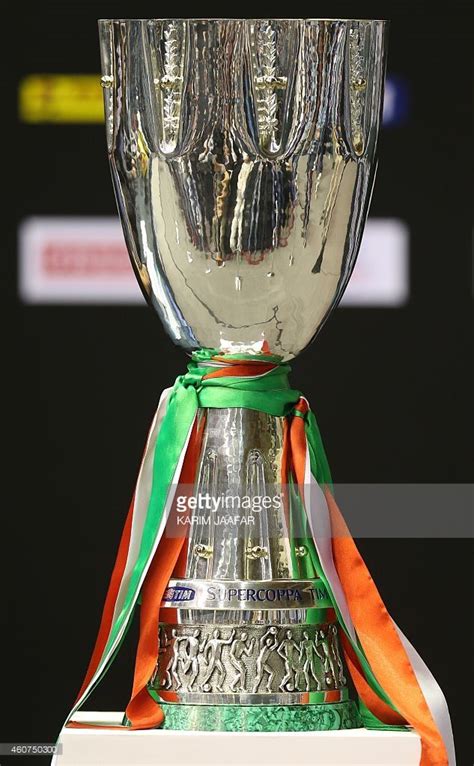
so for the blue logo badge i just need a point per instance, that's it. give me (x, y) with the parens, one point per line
(179, 593)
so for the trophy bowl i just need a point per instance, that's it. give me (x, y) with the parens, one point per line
(243, 159)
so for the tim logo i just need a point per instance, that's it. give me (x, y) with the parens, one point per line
(179, 594)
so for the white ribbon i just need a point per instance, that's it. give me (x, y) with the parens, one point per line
(433, 695)
(317, 512)
(320, 523)
(142, 499)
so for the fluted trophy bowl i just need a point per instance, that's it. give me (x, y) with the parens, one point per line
(243, 160)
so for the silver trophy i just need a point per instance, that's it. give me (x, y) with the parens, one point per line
(243, 160)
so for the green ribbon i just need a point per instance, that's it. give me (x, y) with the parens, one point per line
(269, 392)
(321, 472)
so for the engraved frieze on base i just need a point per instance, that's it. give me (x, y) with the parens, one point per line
(284, 662)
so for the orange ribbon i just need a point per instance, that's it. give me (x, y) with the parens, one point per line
(110, 599)
(142, 710)
(382, 645)
(375, 629)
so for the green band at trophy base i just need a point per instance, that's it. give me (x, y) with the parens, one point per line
(322, 717)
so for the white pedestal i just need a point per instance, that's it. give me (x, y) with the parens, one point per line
(353, 747)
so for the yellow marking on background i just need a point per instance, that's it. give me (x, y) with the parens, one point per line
(61, 98)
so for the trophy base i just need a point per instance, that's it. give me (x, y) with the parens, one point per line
(260, 718)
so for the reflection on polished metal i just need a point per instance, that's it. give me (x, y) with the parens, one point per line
(243, 159)
(251, 664)
(241, 457)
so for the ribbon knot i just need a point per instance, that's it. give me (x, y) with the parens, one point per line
(236, 380)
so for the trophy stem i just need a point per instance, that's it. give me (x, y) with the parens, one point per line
(252, 630)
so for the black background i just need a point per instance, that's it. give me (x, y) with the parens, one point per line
(390, 388)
